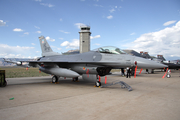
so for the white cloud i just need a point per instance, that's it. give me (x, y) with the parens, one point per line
(5, 55)
(26, 33)
(47, 5)
(169, 22)
(61, 19)
(65, 43)
(112, 10)
(109, 17)
(33, 44)
(133, 33)
(50, 39)
(14, 51)
(79, 25)
(165, 42)
(97, 44)
(38, 32)
(55, 48)
(74, 44)
(97, 36)
(64, 31)
(2, 23)
(37, 27)
(18, 30)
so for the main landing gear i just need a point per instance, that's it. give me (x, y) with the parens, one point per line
(55, 79)
(97, 84)
(168, 75)
(75, 79)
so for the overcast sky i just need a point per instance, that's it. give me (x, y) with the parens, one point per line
(143, 25)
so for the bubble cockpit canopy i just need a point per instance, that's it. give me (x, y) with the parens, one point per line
(110, 50)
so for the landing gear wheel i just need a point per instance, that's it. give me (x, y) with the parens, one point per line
(75, 79)
(98, 84)
(54, 79)
(168, 76)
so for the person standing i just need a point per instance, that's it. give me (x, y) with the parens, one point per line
(128, 72)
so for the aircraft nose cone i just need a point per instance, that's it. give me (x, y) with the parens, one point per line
(145, 63)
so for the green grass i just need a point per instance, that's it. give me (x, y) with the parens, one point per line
(13, 72)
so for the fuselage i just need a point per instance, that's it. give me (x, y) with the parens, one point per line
(94, 58)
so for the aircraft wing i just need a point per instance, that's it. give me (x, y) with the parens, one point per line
(9, 61)
(18, 63)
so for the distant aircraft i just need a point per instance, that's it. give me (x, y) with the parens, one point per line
(175, 61)
(88, 65)
(159, 59)
(171, 65)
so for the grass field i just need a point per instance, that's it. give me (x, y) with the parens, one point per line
(13, 72)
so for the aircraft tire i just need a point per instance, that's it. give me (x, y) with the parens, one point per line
(168, 76)
(98, 83)
(54, 79)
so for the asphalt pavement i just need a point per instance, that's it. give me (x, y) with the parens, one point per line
(152, 98)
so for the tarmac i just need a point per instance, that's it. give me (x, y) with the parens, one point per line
(152, 98)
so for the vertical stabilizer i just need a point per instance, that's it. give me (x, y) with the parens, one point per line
(46, 49)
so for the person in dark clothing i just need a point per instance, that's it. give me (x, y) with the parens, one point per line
(128, 73)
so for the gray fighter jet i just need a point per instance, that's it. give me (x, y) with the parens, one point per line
(88, 65)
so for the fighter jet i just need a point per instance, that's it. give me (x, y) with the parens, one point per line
(159, 59)
(89, 65)
(175, 61)
(171, 65)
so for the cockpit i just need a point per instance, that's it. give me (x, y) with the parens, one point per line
(109, 50)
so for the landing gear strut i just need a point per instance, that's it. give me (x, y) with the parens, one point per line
(75, 79)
